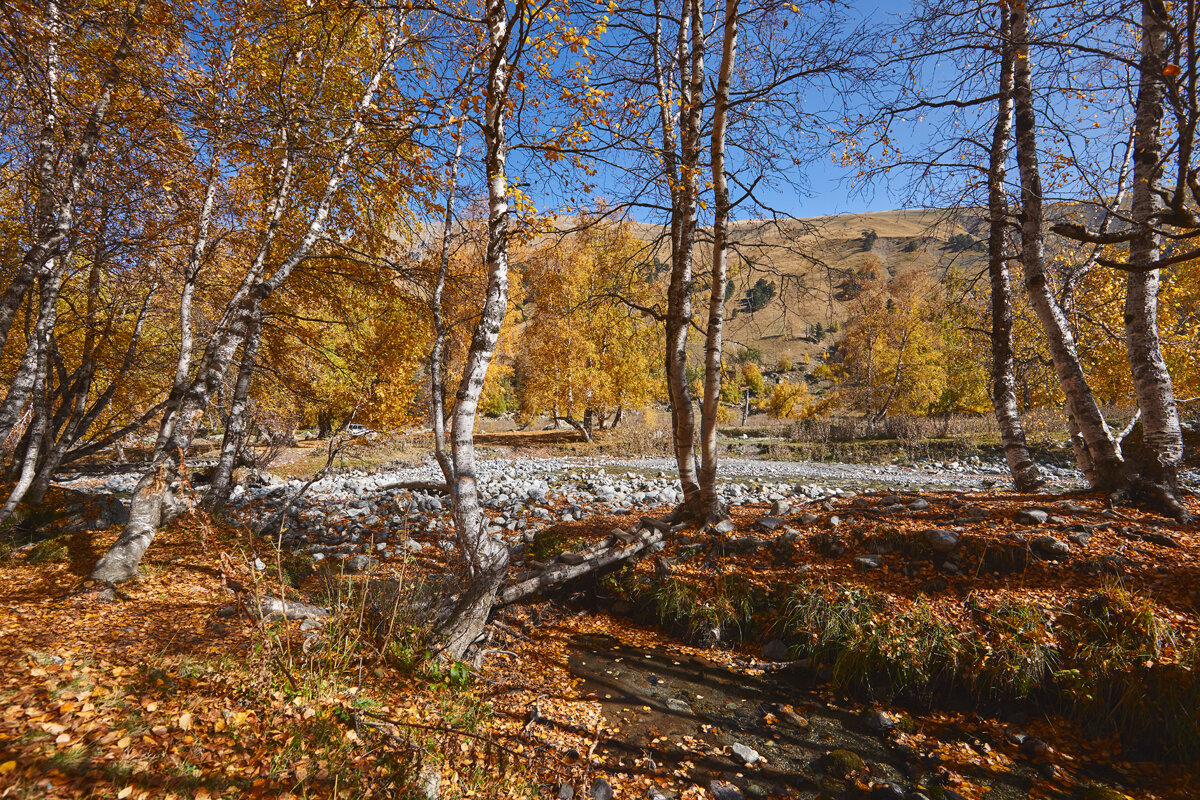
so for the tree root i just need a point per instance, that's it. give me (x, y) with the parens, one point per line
(1148, 495)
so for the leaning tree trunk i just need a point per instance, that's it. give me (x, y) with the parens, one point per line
(1025, 473)
(486, 558)
(183, 362)
(43, 335)
(52, 233)
(710, 503)
(81, 417)
(1101, 462)
(19, 390)
(235, 427)
(1162, 447)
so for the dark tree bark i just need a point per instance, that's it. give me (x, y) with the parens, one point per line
(685, 195)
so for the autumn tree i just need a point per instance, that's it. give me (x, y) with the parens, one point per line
(585, 355)
(891, 357)
(377, 45)
(768, 60)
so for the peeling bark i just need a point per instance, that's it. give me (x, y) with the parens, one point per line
(1162, 447)
(486, 558)
(1025, 473)
(1101, 463)
(43, 335)
(1163, 440)
(710, 504)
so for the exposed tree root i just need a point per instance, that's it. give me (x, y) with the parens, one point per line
(1147, 495)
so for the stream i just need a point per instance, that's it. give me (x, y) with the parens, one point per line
(683, 715)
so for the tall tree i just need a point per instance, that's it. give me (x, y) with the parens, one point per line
(710, 507)
(1026, 475)
(486, 558)
(1095, 447)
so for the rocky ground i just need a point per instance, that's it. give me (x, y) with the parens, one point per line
(355, 516)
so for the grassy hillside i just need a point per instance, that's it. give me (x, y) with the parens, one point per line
(809, 260)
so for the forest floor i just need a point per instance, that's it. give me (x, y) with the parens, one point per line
(940, 644)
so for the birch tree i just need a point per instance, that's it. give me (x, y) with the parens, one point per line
(153, 499)
(1026, 475)
(1159, 209)
(486, 558)
(710, 506)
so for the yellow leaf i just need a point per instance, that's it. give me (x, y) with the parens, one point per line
(124, 742)
(7, 767)
(185, 721)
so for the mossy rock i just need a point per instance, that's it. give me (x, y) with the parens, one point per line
(1102, 793)
(550, 543)
(843, 763)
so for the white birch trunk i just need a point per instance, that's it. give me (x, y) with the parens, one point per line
(1162, 447)
(1101, 461)
(153, 497)
(486, 559)
(57, 230)
(1025, 474)
(710, 507)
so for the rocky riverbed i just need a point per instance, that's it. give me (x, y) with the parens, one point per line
(356, 516)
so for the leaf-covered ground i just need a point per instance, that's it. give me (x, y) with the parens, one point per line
(172, 691)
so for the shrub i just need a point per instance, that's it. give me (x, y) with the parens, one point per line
(961, 242)
(702, 617)
(847, 631)
(749, 354)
